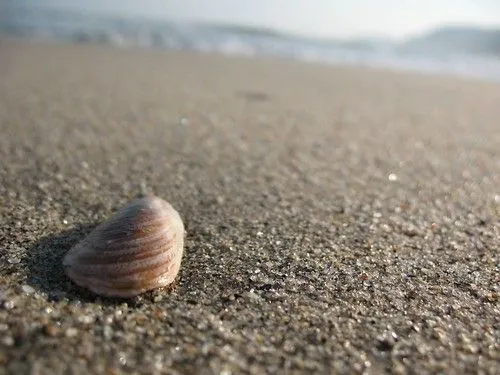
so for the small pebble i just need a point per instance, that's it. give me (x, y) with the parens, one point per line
(28, 289)
(51, 330)
(107, 332)
(7, 340)
(86, 319)
(71, 332)
(393, 177)
(122, 358)
(13, 260)
(252, 295)
(9, 305)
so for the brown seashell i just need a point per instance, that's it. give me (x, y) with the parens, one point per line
(138, 249)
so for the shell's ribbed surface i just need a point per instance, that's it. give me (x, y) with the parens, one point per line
(138, 249)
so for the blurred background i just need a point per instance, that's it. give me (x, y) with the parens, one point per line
(448, 36)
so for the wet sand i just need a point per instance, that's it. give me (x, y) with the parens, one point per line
(339, 219)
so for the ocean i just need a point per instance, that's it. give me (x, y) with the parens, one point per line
(64, 25)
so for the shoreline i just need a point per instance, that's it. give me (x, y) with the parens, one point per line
(269, 57)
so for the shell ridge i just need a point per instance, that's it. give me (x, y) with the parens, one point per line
(134, 243)
(159, 277)
(135, 265)
(90, 256)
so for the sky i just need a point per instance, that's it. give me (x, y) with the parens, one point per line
(397, 19)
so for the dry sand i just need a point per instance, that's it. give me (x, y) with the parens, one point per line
(339, 220)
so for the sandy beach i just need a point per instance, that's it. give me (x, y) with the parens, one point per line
(339, 219)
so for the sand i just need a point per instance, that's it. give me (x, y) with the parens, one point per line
(339, 219)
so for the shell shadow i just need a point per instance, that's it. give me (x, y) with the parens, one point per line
(46, 272)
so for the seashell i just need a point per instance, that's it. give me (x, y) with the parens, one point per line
(138, 249)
